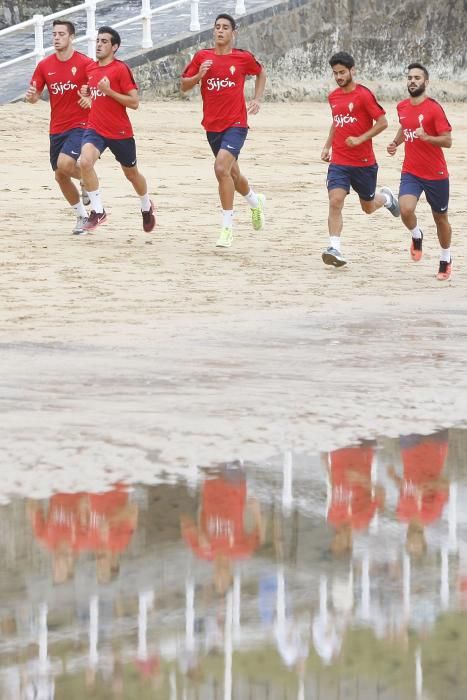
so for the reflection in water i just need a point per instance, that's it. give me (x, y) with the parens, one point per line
(340, 575)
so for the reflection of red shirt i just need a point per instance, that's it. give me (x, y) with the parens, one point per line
(101, 533)
(423, 463)
(60, 525)
(222, 513)
(351, 501)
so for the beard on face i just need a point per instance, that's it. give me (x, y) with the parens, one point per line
(417, 92)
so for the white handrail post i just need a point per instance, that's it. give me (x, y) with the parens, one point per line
(194, 19)
(39, 37)
(146, 14)
(91, 27)
(240, 7)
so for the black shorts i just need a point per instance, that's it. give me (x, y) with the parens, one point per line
(68, 142)
(230, 140)
(124, 150)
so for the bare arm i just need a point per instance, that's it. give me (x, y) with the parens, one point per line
(189, 83)
(260, 83)
(32, 93)
(130, 99)
(379, 126)
(326, 152)
(443, 140)
(397, 140)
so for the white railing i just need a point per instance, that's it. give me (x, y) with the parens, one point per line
(89, 6)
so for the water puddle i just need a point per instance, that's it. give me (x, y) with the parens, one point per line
(335, 575)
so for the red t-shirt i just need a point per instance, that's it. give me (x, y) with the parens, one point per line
(107, 116)
(423, 159)
(63, 80)
(423, 463)
(353, 114)
(222, 87)
(352, 500)
(222, 513)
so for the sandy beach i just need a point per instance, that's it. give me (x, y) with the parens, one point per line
(124, 352)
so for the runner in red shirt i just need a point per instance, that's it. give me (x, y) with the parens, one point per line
(222, 72)
(354, 498)
(356, 119)
(58, 531)
(112, 89)
(425, 131)
(222, 533)
(63, 73)
(423, 491)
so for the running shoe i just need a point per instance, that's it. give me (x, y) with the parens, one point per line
(258, 218)
(444, 272)
(95, 220)
(225, 239)
(149, 218)
(81, 222)
(416, 251)
(84, 196)
(393, 206)
(332, 256)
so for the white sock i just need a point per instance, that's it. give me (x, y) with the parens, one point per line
(416, 233)
(145, 202)
(445, 254)
(79, 209)
(335, 242)
(96, 202)
(252, 199)
(227, 218)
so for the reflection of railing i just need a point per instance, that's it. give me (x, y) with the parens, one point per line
(89, 6)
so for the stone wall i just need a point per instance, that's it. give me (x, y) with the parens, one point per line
(14, 11)
(295, 38)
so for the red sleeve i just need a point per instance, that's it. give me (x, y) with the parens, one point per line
(127, 81)
(252, 66)
(193, 67)
(373, 107)
(38, 77)
(441, 121)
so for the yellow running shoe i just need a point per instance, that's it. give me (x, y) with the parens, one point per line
(258, 218)
(225, 239)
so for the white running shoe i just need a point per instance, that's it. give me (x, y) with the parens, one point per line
(79, 229)
(332, 256)
(393, 205)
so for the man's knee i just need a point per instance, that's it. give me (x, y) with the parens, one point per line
(368, 206)
(336, 200)
(221, 169)
(131, 174)
(65, 168)
(407, 210)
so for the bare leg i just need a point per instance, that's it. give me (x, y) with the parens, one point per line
(223, 169)
(88, 158)
(371, 206)
(443, 229)
(65, 171)
(336, 204)
(240, 182)
(408, 204)
(137, 179)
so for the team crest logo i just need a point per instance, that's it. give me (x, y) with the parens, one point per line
(73, 70)
(350, 107)
(232, 69)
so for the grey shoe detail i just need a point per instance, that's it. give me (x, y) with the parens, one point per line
(331, 256)
(393, 206)
(79, 229)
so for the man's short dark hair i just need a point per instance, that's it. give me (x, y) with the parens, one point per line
(342, 58)
(114, 35)
(229, 18)
(69, 25)
(420, 67)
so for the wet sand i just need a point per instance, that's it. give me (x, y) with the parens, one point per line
(125, 352)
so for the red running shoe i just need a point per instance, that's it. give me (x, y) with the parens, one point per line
(416, 251)
(149, 218)
(95, 220)
(444, 272)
